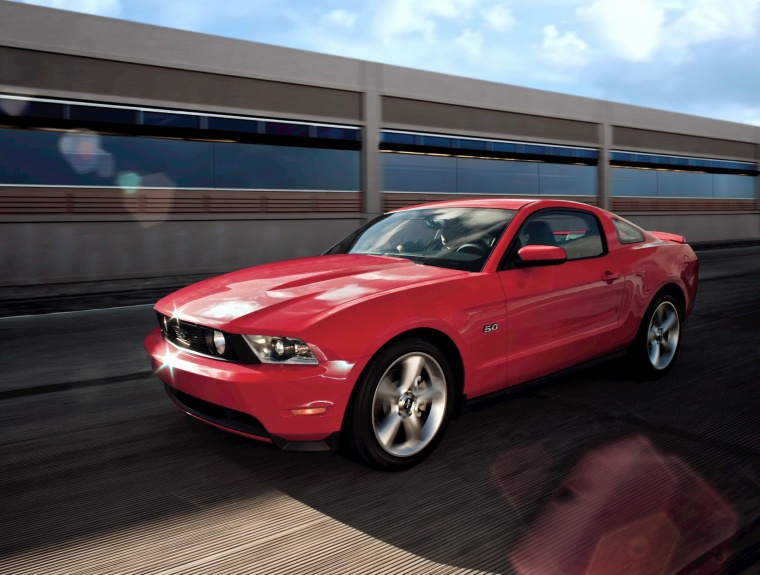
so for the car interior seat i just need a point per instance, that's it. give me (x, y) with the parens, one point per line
(539, 233)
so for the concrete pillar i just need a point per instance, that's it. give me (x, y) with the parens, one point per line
(757, 178)
(603, 167)
(372, 118)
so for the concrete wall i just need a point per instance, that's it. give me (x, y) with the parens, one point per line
(34, 253)
(702, 227)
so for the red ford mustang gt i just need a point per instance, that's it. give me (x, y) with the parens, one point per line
(380, 338)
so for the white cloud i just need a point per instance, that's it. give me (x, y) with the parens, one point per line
(396, 18)
(499, 18)
(471, 41)
(708, 21)
(626, 29)
(446, 8)
(340, 18)
(97, 7)
(667, 28)
(565, 50)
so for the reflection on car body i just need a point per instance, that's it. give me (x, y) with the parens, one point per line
(378, 340)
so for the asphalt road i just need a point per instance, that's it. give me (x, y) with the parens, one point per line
(587, 470)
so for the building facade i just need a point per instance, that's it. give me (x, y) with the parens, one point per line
(130, 151)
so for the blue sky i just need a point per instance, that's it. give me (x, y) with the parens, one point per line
(699, 57)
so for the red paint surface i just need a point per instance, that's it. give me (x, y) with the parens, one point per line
(346, 307)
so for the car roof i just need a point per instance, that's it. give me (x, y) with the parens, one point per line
(500, 203)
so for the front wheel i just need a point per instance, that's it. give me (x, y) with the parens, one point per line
(402, 406)
(657, 342)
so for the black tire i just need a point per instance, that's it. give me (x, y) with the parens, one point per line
(402, 406)
(658, 340)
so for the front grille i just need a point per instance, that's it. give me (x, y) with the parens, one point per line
(194, 336)
(199, 339)
(187, 335)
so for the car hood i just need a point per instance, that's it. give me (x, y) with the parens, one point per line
(277, 295)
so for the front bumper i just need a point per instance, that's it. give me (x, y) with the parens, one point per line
(257, 400)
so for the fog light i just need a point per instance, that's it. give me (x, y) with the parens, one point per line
(220, 343)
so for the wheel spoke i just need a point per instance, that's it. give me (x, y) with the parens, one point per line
(658, 315)
(427, 395)
(387, 392)
(387, 429)
(411, 368)
(654, 354)
(413, 428)
(670, 321)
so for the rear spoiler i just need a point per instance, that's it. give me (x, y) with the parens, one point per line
(667, 237)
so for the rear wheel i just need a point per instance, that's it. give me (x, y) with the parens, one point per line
(659, 337)
(402, 406)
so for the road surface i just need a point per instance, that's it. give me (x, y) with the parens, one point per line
(102, 474)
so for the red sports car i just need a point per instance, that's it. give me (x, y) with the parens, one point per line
(381, 338)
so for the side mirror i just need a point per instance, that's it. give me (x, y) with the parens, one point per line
(540, 256)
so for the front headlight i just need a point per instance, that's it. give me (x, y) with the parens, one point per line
(271, 349)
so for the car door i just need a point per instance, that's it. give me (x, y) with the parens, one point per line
(562, 314)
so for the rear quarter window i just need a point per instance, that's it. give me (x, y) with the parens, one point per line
(627, 233)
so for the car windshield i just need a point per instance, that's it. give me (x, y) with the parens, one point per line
(457, 238)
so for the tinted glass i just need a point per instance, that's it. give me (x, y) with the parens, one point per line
(577, 232)
(504, 147)
(30, 157)
(233, 125)
(477, 176)
(88, 159)
(332, 133)
(31, 109)
(280, 129)
(168, 119)
(534, 149)
(415, 173)
(436, 141)
(684, 185)
(731, 186)
(457, 238)
(429, 173)
(472, 144)
(186, 164)
(633, 182)
(394, 138)
(255, 166)
(627, 233)
(567, 180)
(105, 115)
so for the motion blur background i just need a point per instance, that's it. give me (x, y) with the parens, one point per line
(134, 156)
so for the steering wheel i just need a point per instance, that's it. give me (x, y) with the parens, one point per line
(475, 249)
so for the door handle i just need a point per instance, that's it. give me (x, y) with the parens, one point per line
(610, 277)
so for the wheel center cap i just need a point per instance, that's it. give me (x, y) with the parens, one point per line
(406, 403)
(658, 335)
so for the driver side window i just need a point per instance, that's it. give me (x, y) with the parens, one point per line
(575, 231)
